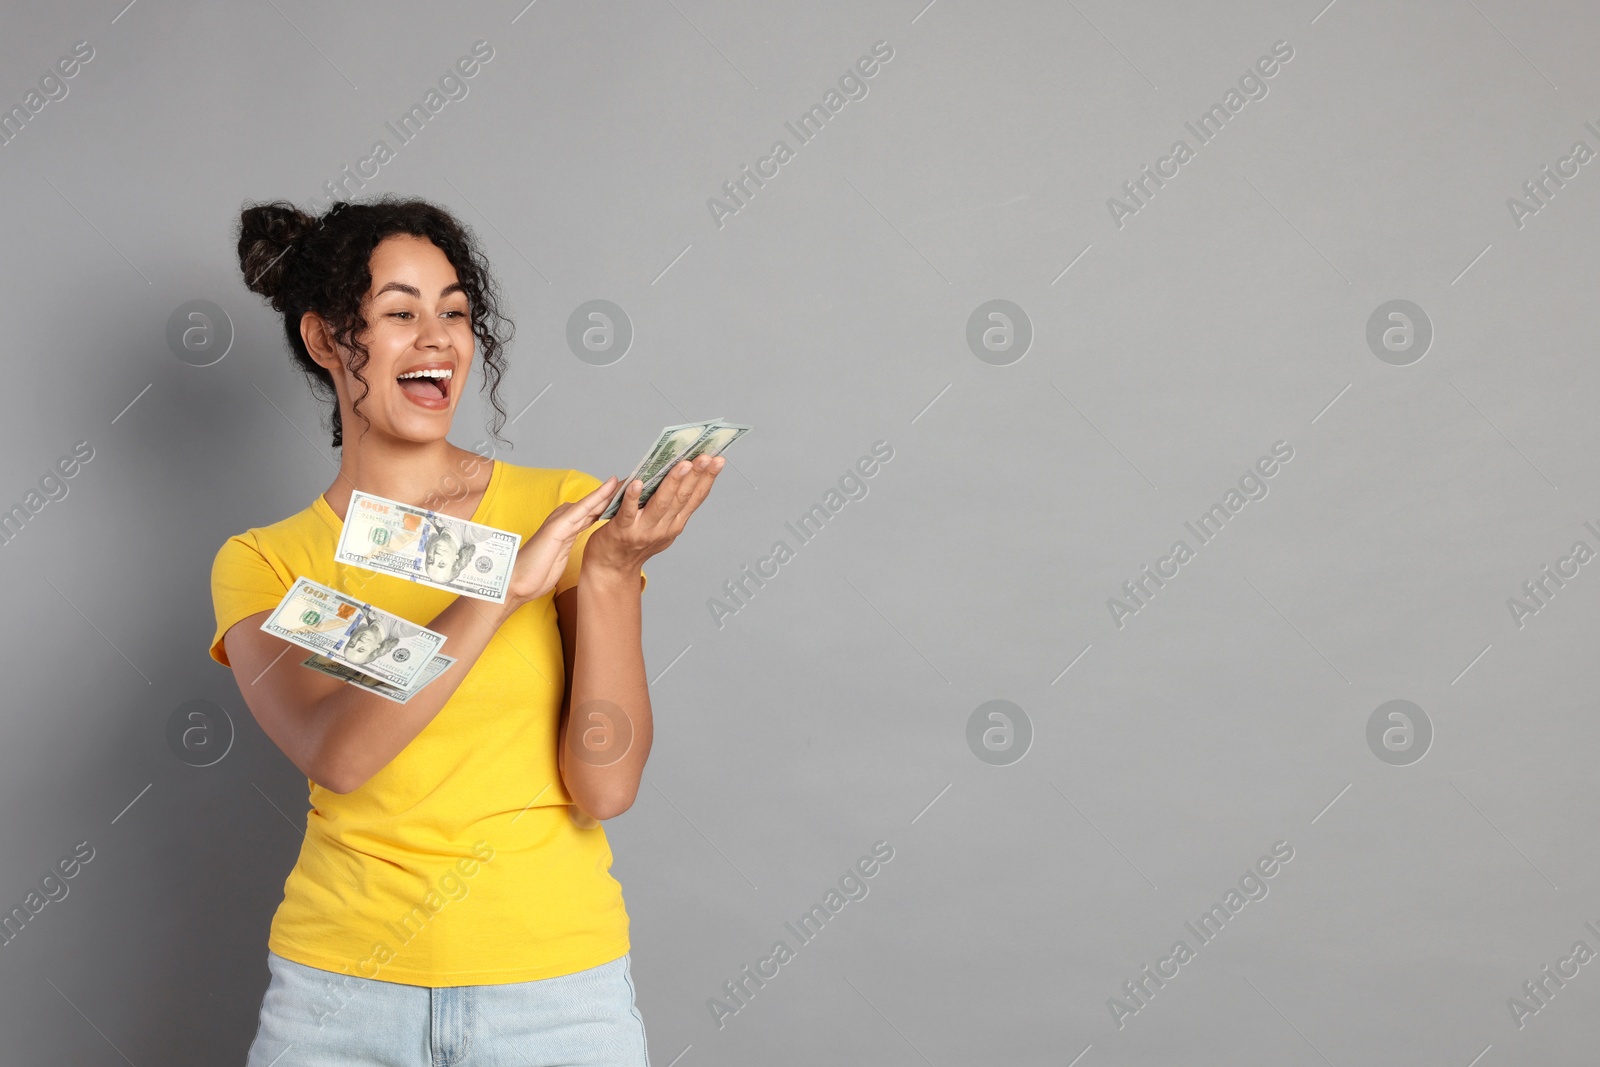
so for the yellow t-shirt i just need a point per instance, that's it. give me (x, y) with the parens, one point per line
(459, 863)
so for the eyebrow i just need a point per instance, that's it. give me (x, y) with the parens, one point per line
(412, 290)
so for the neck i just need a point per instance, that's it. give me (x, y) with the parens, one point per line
(408, 471)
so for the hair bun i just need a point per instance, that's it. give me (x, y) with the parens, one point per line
(268, 235)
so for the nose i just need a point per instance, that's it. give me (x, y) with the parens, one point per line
(433, 334)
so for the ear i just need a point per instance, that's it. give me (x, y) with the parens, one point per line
(319, 342)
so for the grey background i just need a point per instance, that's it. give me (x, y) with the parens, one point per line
(831, 312)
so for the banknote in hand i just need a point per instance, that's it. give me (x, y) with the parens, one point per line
(687, 441)
(425, 547)
(353, 634)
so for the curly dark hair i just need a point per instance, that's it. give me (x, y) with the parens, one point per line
(304, 263)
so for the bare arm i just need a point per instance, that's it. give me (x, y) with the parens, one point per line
(340, 735)
(604, 746)
(606, 721)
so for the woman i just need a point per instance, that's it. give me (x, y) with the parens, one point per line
(452, 901)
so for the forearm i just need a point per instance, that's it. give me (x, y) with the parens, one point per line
(364, 731)
(607, 731)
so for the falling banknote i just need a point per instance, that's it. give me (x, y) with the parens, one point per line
(689, 441)
(436, 666)
(411, 542)
(353, 634)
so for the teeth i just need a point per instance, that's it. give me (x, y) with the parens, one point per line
(442, 372)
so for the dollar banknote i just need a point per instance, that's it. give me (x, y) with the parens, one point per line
(356, 635)
(423, 546)
(436, 666)
(687, 441)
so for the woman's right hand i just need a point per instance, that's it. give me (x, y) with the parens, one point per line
(543, 557)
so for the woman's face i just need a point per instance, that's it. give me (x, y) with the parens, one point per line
(419, 342)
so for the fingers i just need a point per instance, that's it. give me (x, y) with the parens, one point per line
(593, 504)
(685, 485)
(602, 493)
(697, 485)
(628, 508)
(690, 483)
(574, 516)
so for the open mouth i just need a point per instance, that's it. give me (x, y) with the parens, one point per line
(429, 386)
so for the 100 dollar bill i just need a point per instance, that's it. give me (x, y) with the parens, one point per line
(423, 546)
(436, 666)
(687, 441)
(356, 635)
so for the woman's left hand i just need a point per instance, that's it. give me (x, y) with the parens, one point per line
(633, 534)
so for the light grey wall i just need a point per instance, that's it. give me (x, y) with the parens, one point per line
(1245, 704)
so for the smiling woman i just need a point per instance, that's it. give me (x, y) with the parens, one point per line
(275, 239)
(427, 384)
(385, 305)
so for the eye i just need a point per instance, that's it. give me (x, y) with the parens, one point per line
(457, 314)
(397, 314)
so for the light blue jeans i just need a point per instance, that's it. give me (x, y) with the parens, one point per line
(316, 1018)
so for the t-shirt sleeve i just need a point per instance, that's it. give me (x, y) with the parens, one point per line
(575, 487)
(243, 582)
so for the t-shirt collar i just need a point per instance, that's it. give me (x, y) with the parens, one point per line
(321, 507)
